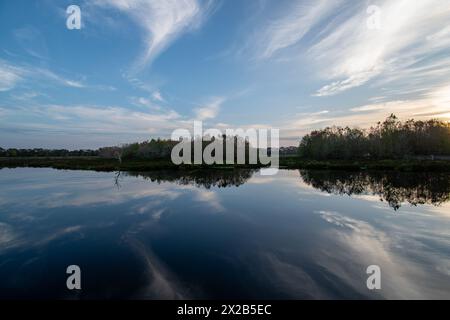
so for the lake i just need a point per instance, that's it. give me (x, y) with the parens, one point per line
(224, 234)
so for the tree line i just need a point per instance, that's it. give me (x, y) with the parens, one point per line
(162, 149)
(390, 139)
(151, 149)
(38, 152)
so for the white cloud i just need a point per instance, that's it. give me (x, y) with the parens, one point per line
(9, 76)
(12, 74)
(210, 110)
(432, 103)
(157, 96)
(84, 125)
(74, 84)
(334, 39)
(114, 119)
(39, 73)
(371, 107)
(342, 85)
(163, 21)
(145, 102)
(294, 25)
(210, 198)
(369, 242)
(7, 236)
(441, 97)
(353, 54)
(32, 41)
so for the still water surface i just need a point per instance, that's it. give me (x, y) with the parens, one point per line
(215, 234)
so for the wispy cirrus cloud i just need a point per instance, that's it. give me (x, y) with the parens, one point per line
(334, 38)
(10, 75)
(13, 74)
(48, 74)
(297, 20)
(32, 41)
(354, 54)
(162, 21)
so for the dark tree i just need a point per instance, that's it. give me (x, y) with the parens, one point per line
(391, 139)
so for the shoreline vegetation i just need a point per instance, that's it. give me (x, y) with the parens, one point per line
(291, 162)
(390, 145)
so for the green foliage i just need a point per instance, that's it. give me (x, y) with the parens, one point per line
(391, 139)
(162, 149)
(153, 149)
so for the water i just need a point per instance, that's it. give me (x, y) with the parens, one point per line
(232, 234)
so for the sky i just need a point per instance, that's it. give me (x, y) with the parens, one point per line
(139, 69)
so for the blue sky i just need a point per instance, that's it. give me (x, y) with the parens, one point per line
(139, 69)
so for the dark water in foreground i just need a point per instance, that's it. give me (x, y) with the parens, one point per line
(236, 235)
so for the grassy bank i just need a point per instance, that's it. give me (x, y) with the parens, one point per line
(100, 164)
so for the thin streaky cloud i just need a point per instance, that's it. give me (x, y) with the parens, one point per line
(162, 21)
(334, 37)
(353, 54)
(12, 75)
(9, 75)
(294, 24)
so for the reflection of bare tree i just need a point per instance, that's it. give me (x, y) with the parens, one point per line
(117, 179)
(206, 178)
(393, 187)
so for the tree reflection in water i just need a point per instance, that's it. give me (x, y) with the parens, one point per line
(394, 187)
(205, 178)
